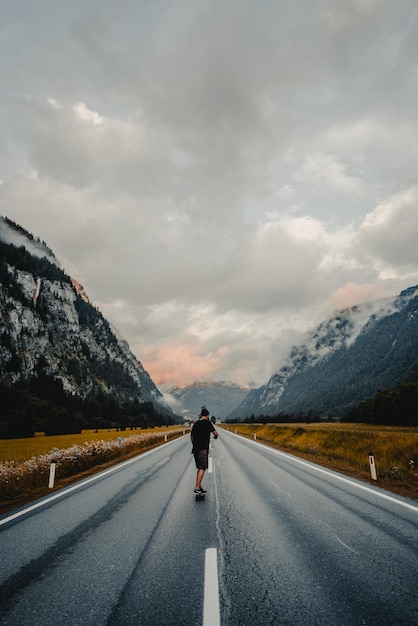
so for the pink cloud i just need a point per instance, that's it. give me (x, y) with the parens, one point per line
(351, 294)
(180, 364)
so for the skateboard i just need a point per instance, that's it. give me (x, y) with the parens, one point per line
(199, 496)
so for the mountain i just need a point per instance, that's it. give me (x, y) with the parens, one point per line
(62, 364)
(219, 397)
(345, 360)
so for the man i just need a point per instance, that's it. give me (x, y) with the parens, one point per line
(200, 437)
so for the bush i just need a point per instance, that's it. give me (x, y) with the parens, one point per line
(20, 478)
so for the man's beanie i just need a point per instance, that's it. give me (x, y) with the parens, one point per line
(204, 411)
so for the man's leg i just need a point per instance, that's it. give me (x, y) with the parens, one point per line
(199, 478)
(202, 465)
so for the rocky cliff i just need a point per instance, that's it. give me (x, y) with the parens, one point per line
(54, 341)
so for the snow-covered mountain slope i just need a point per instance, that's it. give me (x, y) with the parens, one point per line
(343, 361)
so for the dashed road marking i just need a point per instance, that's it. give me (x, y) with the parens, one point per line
(211, 616)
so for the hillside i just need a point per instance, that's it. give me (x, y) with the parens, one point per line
(344, 361)
(62, 365)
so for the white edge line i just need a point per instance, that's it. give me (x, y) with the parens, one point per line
(64, 492)
(211, 616)
(334, 474)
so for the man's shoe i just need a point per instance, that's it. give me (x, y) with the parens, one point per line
(202, 490)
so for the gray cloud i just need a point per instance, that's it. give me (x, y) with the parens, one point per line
(218, 175)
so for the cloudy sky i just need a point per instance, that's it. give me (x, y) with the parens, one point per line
(221, 175)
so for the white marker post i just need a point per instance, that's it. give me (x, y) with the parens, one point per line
(255, 436)
(52, 474)
(372, 466)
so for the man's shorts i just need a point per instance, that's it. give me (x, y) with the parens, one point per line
(201, 459)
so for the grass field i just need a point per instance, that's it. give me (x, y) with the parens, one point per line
(20, 450)
(25, 463)
(346, 448)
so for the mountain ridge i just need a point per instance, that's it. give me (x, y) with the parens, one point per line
(343, 361)
(218, 396)
(54, 341)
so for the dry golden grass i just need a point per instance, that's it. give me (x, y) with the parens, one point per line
(24, 472)
(346, 448)
(20, 450)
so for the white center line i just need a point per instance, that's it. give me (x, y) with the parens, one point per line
(211, 615)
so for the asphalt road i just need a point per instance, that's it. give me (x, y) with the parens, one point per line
(277, 540)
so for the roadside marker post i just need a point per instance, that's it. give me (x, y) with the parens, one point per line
(52, 469)
(372, 466)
